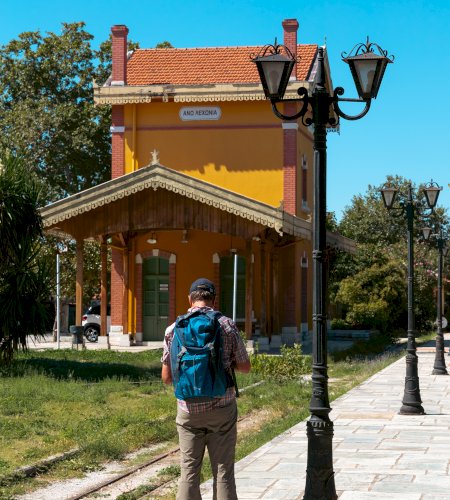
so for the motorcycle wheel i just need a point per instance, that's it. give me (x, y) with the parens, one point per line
(91, 333)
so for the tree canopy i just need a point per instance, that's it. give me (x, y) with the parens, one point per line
(47, 112)
(370, 287)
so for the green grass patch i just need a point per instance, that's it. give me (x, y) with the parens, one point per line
(108, 404)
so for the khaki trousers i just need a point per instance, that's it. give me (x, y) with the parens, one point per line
(215, 430)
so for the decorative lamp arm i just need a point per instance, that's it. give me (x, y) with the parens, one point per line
(338, 91)
(304, 98)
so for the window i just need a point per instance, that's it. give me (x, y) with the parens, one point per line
(304, 183)
(226, 286)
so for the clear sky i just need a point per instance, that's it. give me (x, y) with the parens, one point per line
(405, 132)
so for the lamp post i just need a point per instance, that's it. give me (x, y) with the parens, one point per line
(275, 63)
(411, 403)
(60, 248)
(439, 367)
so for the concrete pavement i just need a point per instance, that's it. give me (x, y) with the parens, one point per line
(47, 342)
(378, 454)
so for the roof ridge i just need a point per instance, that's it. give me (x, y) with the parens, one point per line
(218, 47)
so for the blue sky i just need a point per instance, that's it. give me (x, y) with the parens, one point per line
(405, 132)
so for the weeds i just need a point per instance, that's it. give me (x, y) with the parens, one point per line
(56, 401)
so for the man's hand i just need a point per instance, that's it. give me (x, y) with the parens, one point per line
(243, 367)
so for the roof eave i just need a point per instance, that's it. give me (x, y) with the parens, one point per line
(133, 94)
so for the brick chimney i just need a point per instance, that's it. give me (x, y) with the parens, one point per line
(119, 54)
(290, 129)
(290, 27)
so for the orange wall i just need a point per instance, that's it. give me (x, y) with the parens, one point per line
(192, 264)
(242, 152)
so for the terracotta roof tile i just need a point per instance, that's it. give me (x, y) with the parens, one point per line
(202, 66)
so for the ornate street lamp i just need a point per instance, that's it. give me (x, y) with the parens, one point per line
(275, 64)
(440, 367)
(411, 404)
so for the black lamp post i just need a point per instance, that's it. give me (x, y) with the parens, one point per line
(412, 404)
(275, 64)
(439, 367)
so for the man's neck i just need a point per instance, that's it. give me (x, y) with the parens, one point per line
(201, 303)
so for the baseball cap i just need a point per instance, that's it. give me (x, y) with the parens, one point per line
(203, 284)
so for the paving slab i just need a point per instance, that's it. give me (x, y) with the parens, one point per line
(377, 453)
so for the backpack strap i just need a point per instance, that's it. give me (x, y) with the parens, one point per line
(215, 315)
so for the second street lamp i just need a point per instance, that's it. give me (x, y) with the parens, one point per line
(439, 367)
(275, 63)
(411, 403)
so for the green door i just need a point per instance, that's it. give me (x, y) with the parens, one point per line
(155, 289)
(226, 286)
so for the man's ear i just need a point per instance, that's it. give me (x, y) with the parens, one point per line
(189, 300)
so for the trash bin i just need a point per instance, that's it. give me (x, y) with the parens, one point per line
(77, 335)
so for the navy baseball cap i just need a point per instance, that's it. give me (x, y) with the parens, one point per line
(203, 284)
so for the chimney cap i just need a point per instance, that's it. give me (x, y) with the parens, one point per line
(119, 28)
(290, 24)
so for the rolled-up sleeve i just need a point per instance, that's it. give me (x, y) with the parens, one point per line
(234, 347)
(168, 335)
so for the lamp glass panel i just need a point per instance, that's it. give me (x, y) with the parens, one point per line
(388, 196)
(426, 231)
(432, 194)
(365, 70)
(273, 71)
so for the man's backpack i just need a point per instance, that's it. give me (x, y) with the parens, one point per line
(196, 357)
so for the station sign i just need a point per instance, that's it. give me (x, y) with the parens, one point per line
(192, 113)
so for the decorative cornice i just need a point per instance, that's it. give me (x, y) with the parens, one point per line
(186, 93)
(159, 177)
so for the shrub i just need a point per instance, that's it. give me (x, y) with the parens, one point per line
(339, 324)
(374, 297)
(290, 364)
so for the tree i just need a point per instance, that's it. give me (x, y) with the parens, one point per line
(24, 283)
(47, 116)
(366, 220)
(164, 45)
(375, 297)
(47, 112)
(381, 239)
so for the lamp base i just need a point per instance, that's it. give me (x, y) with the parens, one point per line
(319, 471)
(411, 410)
(439, 371)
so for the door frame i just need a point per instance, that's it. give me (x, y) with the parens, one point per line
(139, 286)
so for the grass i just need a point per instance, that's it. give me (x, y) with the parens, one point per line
(108, 403)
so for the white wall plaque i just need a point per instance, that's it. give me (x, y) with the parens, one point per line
(190, 113)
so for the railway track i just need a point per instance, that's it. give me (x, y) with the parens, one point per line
(142, 474)
(135, 477)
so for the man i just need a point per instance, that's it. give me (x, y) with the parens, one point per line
(208, 423)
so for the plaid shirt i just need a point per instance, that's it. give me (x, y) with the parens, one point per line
(233, 352)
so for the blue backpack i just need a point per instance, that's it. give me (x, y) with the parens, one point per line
(196, 357)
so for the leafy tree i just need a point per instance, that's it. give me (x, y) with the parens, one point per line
(91, 271)
(47, 112)
(47, 115)
(375, 297)
(24, 284)
(381, 239)
(367, 220)
(164, 45)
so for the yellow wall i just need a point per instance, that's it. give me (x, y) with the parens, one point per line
(242, 152)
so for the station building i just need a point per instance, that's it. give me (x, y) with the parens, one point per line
(205, 182)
